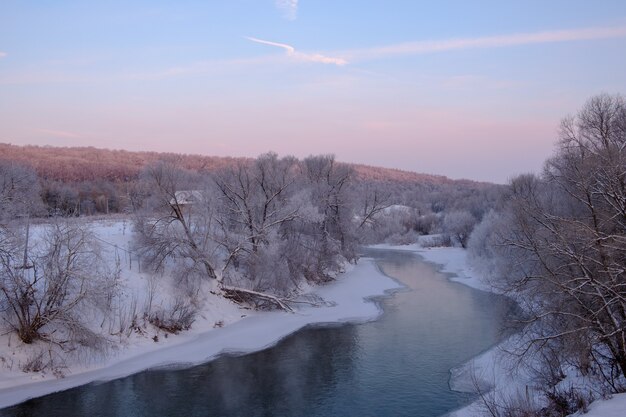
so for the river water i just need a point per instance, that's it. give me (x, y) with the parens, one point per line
(398, 365)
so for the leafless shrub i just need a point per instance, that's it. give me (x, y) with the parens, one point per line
(179, 316)
(426, 223)
(36, 362)
(403, 239)
(45, 360)
(495, 404)
(125, 319)
(563, 402)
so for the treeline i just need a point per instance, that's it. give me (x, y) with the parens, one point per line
(255, 231)
(90, 181)
(260, 224)
(82, 164)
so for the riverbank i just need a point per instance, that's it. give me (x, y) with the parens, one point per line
(492, 371)
(348, 299)
(495, 372)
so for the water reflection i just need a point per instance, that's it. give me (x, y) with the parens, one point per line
(398, 365)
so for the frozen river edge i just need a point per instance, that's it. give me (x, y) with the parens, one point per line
(351, 295)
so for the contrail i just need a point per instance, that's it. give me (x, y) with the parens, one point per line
(291, 51)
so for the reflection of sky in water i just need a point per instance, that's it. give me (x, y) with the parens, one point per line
(397, 365)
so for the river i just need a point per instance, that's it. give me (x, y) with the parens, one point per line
(398, 365)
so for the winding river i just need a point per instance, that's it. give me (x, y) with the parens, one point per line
(398, 365)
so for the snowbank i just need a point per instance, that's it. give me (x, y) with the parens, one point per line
(613, 407)
(351, 301)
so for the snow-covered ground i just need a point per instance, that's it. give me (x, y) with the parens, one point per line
(349, 297)
(613, 407)
(241, 330)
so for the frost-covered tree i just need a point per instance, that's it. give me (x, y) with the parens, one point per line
(260, 226)
(52, 286)
(329, 181)
(178, 224)
(19, 191)
(372, 201)
(256, 204)
(565, 245)
(459, 225)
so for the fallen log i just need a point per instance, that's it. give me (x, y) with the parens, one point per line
(243, 295)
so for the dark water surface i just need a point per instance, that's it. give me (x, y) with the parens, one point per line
(395, 366)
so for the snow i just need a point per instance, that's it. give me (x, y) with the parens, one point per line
(349, 297)
(613, 407)
(397, 208)
(351, 300)
(494, 370)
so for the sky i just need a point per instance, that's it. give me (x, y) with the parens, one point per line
(463, 89)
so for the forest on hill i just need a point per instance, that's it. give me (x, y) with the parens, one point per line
(78, 181)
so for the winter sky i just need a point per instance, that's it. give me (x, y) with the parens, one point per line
(465, 89)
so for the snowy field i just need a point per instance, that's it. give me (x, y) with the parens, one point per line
(240, 330)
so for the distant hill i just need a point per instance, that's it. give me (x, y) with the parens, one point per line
(380, 174)
(78, 164)
(88, 163)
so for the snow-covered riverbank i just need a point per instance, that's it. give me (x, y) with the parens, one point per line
(494, 370)
(489, 369)
(350, 300)
(220, 327)
(351, 297)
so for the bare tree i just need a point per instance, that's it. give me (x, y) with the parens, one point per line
(259, 226)
(179, 223)
(257, 205)
(256, 197)
(566, 243)
(329, 182)
(52, 296)
(19, 191)
(374, 202)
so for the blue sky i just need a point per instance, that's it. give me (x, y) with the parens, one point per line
(464, 89)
